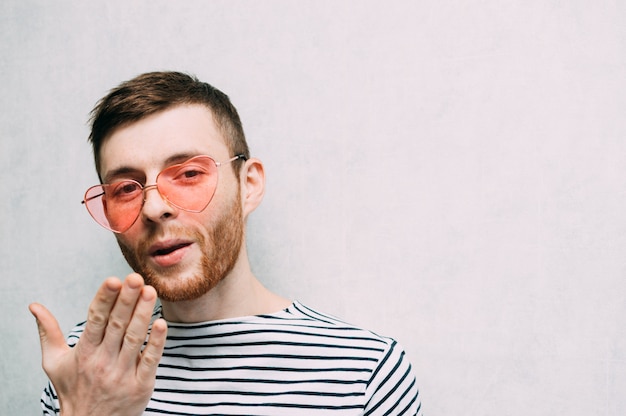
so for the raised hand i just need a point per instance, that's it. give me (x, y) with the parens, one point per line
(106, 373)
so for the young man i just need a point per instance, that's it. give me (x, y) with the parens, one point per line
(220, 342)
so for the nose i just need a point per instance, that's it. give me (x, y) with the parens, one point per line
(155, 207)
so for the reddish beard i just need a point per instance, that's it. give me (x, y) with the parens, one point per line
(220, 252)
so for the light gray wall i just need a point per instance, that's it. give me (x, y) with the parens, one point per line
(451, 173)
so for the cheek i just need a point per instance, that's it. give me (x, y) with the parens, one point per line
(228, 186)
(201, 222)
(126, 239)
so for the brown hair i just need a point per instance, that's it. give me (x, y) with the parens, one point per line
(152, 92)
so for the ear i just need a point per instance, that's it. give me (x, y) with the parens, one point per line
(252, 181)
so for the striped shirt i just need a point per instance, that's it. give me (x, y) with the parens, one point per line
(294, 362)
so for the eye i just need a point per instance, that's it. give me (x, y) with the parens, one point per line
(124, 190)
(189, 175)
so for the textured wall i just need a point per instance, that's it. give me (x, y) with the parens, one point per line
(451, 173)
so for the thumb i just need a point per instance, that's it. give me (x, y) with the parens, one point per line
(50, 334)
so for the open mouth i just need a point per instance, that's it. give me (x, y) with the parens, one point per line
(167, 250)
(170, 253)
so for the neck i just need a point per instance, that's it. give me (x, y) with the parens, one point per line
(238, 294)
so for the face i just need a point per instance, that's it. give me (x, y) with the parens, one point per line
(181, 254)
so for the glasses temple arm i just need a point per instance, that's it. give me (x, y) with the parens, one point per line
(84, 201)
(232, 159)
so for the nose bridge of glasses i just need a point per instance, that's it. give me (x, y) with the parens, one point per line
(157, 204)
(155, 186)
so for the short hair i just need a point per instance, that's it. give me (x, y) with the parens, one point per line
(153, 92)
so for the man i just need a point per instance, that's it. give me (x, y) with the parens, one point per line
(220, 342)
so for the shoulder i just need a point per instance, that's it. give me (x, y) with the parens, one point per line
(314, 322)
(388, 355)
(392, 386)
(315, 318)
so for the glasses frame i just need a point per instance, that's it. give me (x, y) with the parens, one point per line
(155, 185)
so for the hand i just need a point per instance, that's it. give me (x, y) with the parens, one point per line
(106, 373)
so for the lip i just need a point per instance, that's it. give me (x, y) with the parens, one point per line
(168, 253)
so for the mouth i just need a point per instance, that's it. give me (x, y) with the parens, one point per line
(169, 253)
(167, 250)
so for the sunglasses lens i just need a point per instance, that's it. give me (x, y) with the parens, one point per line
(191, 185)
(115, 206)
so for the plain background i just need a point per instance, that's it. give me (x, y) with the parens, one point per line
(450, 173)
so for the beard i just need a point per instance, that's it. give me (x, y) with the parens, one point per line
(219, 251)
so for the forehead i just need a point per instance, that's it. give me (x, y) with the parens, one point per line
(149, 142)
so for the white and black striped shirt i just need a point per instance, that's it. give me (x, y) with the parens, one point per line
(294, 362)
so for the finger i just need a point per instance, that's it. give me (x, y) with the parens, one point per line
(99, 311)
(138, 326)
(121, 314)
(50, 335)
(151, 355)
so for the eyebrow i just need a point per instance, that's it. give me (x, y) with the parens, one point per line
(129, 170)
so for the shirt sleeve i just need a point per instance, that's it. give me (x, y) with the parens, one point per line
(50, 401)
(392, 389)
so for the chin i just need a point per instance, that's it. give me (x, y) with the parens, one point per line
(178, 287)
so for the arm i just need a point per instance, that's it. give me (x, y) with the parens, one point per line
(106, 373)
(392, 388)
